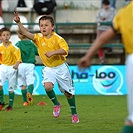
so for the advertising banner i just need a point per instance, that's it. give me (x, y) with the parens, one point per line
(97, 80)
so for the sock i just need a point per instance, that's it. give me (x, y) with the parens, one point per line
(127, 129)
(24, 92)
(11, 98)
(30, 89)
(72, 104)
(1, 96)
(52, 96)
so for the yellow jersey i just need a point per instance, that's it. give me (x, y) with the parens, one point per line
(123, 23)
(45, 45)
(0, 59)
(9, 55)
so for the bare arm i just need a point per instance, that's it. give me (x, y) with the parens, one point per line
(56, 52)
(85, 61)
(22, 28)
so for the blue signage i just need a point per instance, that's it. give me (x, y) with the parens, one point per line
(97, 80)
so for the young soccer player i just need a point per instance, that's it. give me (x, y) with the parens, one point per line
(53, 50)
(125, 27)
(10, 59)
(26, 69)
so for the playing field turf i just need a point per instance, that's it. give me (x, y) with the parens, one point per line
(97, 114)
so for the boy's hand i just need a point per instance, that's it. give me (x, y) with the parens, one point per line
(16, 17)
(15, 67)
(49, 54)
(84, 62)
(103, 18)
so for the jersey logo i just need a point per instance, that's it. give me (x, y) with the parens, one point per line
(54, 42)
(43, 44)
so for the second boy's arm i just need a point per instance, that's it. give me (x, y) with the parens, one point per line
(18, 58)
(22, 28)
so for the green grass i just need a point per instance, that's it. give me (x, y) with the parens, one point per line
(97, 114)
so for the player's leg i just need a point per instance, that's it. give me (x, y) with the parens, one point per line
(30, 78)
(51, 94)
(72, 104)
(2, 103)
(48, 83)
(30, 88)
(1, 90)
(66, 85)
(12, 85)
(11, 100)
(127, 129)
(24, 92)
(22, 83)
(3, 80)
(71, 101)
(1, 95)
(129, 74)
(29, 95)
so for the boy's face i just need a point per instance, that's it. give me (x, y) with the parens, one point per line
(46, 27)
(105, 6)
(5, 36)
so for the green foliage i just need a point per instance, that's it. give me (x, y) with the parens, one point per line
(97, 114)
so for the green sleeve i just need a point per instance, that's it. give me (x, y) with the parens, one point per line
(36, 50)
(17, 44)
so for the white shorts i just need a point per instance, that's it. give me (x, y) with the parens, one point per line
(129, 79)
(61, 75)
(10, 74)
(26, 75)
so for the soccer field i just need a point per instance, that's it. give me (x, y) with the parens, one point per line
(97, 114)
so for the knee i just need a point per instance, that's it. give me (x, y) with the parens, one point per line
(23, 87)
(48, 86)
(68, 95)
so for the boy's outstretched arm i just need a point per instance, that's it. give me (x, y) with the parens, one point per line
(21, 27)
(86, 60)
